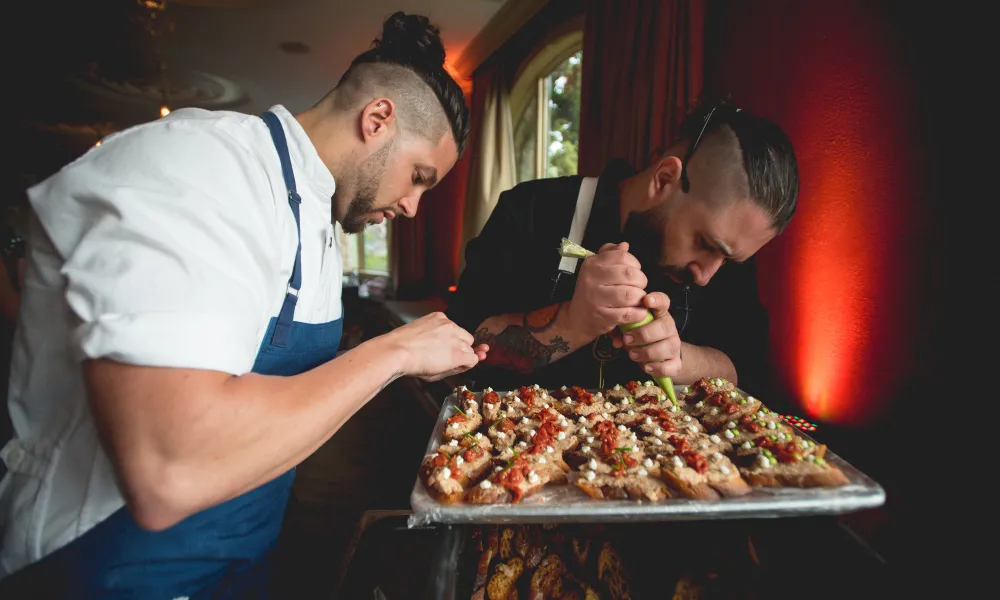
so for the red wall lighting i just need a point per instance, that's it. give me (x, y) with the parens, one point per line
(841, 283)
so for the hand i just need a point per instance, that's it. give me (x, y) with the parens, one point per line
(608, 293)
(656, 345)
(434, 347)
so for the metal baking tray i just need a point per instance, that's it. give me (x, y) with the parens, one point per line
(568, 504)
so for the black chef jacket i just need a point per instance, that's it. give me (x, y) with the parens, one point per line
(513, 267)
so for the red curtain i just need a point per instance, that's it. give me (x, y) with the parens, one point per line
(642, 70)
(425, 248)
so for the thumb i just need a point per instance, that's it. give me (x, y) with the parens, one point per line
(658, 303)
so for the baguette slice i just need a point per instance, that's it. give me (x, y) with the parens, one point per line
(724, 410)
(502, 433)
(465, 421)
(522, 477)
(547, 582)
(679, 475)
(622, 475)
(529, 546)
(502, 584)
(705, 387)
(785, 469)
(611, 573)
(490, 547)
(724, 476)
(447, 473)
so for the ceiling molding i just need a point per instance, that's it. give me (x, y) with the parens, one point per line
(511, 17)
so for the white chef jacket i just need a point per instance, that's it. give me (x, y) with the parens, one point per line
(170, 244)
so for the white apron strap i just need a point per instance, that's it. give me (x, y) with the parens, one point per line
(584, 202)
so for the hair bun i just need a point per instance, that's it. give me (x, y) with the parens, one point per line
(411, 40)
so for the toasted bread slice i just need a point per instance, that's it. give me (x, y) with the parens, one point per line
(459, 425)
(705, 387)
(810, 472)
(724, 410)
(680, 476)
(599, 405)
(724, 477)
(547, 582)
(622, 397)
(523, 476)
(611, 573)
(506, 543)
(782, 435)
(490, 547)
(529, 546)
(581, 550)
(502, 584)
(622, 475)
(630, 485)
(447, 473)
(502, 433)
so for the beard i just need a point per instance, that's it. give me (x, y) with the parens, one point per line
(644, 234)
(366, 186)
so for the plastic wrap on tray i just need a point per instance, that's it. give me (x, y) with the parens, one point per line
(566, 503)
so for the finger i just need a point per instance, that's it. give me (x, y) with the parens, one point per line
(464, 336)
(616, 338)
(619, 274)
(656, 352)
(619, 296)
(662, 328)
(658, 303)
(617, 257)
(465, 359)
(667, 368)
(625, 316)
(607, 247)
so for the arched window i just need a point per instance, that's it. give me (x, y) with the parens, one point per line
(545, 106)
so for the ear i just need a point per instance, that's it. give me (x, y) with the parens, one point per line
(666, 178)
(378, 120)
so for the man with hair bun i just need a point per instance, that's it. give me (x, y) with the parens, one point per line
(176, 353)
(675, 239)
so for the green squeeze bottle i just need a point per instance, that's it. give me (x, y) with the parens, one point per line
(571, 250)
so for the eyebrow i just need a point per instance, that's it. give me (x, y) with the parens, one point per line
(723, 247)
(430, 178)
(726, 251)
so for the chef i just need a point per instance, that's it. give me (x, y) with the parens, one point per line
(676, 239)
(176, 355)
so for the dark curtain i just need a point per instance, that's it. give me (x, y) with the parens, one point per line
(642, 70)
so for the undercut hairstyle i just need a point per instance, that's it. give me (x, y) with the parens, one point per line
(741, 155)
(406, 65)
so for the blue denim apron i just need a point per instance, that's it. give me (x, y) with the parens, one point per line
(222, 551)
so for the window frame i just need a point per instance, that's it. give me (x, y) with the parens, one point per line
(530, 82)
(359, 243)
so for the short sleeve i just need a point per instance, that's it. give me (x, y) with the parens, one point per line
(167, 232)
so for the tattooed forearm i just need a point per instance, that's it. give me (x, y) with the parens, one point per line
(541, 319)
(526, 342)
(517, 349)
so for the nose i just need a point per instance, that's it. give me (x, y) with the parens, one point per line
(703, 272)
(408, 205)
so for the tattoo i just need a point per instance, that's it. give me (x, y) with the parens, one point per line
(483, 336)
(539, 320)
(515, 348)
